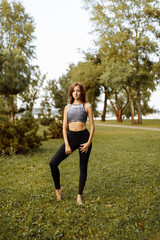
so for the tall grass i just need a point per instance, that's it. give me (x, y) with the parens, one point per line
(121, 196)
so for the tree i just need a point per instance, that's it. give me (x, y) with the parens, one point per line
(16, 34)
(115, 78)
(2, 60)
(58, 91)
(120, 104)
(130, 27)
(19, 137)
(32, 91)
(156, 72)
(88, 73)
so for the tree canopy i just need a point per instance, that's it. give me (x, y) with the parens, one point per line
(16, 41)
(128, 39)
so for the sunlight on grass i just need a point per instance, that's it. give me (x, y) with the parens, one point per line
(121, 197)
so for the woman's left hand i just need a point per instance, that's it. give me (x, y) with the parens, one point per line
(84, 147)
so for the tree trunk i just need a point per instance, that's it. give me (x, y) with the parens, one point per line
(119, 111)
(118, 115)
(139, 107)
(13, 117)
(132, 106)
(6, 97)
(138, 93)
(12, 109)
(103, 117)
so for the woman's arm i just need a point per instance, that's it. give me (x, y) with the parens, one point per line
(91, 122)
(65, 129)
(84, 147)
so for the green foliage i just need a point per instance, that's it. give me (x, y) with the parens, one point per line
(156, 70)
(4, 118)
(16, 34)
(2, 60)
(45, 135)
(127, 111)
(121, 196)
(88, 73)
(128, 39)
(32, 91)
(144, 107)
(46, 106)
(17, 50)
(19, 137)
(15, 76)
(45, 121)
(55, 129)
(58, 92)
(2, 104)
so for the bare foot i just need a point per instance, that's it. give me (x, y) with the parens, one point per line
(58, 193)
(79, 199)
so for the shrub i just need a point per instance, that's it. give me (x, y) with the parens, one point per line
(45, 135)
(4, 118)
(45, 121)
(55, 129)
(19, 137)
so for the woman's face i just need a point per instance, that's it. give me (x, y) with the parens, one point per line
(76, 93)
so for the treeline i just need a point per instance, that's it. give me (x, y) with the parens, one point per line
(128, 39)
(22, 81)
(125, 65)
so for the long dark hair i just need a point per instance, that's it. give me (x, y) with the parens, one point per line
(82, 91)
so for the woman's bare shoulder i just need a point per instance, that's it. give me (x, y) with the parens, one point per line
(67, 107)
(88, 105)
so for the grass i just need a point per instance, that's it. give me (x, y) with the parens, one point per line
(152, 123)
(121, 196)
(41, 129)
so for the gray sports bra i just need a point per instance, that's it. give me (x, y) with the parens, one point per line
(76, 113)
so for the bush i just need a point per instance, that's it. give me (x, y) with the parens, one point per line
(45, 121)
(55, 129)
(4, 118)
(19, 137)
(45, 135)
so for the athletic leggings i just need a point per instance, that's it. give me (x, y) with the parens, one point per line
(75, 139)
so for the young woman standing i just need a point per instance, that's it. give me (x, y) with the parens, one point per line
(76, 136)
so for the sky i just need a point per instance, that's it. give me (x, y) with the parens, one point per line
(63, 32)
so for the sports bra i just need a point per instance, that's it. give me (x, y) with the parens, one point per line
(76, 113)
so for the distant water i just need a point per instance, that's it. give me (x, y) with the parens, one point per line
(152, 116)
(149, 116)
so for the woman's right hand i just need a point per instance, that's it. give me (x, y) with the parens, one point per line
(68, 149)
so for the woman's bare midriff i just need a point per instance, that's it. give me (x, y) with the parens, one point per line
(77, 126)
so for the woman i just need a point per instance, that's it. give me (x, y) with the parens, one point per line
(76, 136)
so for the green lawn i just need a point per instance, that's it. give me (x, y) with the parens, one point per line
(121, 197)
(152, 123)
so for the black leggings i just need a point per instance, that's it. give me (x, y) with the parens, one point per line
(74, 139)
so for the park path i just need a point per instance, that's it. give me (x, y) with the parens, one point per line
(123, 126)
